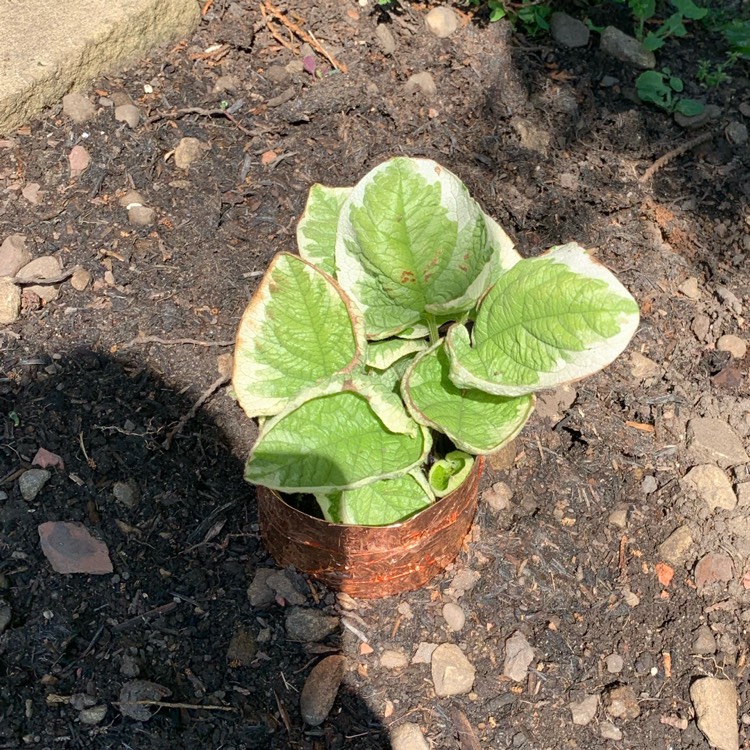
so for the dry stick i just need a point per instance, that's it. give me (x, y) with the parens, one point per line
(304, 36)
(164, 609)
(275, 34)
(177, 113)
(49, 280)
(173, 342)
(165, 704)
(673, 154)
(185, 418)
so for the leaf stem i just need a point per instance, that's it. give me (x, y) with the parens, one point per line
(432, 325)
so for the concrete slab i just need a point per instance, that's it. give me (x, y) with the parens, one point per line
(49, 47)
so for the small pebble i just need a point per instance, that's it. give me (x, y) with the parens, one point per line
(700, 327)
(676, 547)
(583, 711)
(408, 736)
(452, 672)
(498, 497)
(188, 151)
(618, 517)
(441, 21)
(689, 288)
(126, 494)
(385, 39)
(736, 133)
(609, 731)
(14, 254)
(92, 715)
(32, 481)
(129, 114)
(424, 652)
(320, 689)
(10, 301)
(141, 216)
(6, 615)
(715, 703)
(614, 663)
(736, 346)
(78, 107)
(423, 82)
(309, 625)
(80, 279)
(390, 659)
(649, 485)
(454, 616)
(704, 643)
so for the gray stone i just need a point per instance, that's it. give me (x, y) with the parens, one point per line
(6, 615)
(729, 299)
(518, 657)
(498, 497)
(80, 279)
(241, 649)
(141, 216)
(31, 482)
(736, 346)
(188, 151)
(609, 731)
(129, 114)
(743, 494)
(280, 583)
(649, 485)
(78, 107)
(408, 736)
(568, 31)
(441, 21)
(552, 405)
(127, 494)
(454, 616)
(711, 485)
(320, 689)
(622, 703)
(676, 547)
(452, 672)
(736, 133)
(689, 288)
(385, 39)
(614, 663)
(710, 112)
(643, 368)
(309, 625)
(231, 83)
(464, 580)
(10, 301)
(13, 254)
(626, 49)
(618, 517)
(583, 711)
(715, 703)
(423, 82)
(134, 692)
(704, 642)
(46, 267)
(712, 440)
(423, 654)
(700, 327)
(391, 659)
(93, 715)
(258, 592)
(531, 135)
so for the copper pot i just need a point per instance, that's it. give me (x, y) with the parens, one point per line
(370, 561)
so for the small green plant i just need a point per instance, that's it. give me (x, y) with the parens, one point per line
(530, 15)
(673, 25)
(409, 334)
(659, 88)
(737, 34)
(710, 75)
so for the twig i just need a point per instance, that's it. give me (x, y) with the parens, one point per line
(275, 34)
(164, 609)
(206, 7)
(173, 342)
(185, 418)
(304, 36)
(673, 154)
(177, 113)
(165, 704)
(49, 280)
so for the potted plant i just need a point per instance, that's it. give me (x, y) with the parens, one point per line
(406, 338)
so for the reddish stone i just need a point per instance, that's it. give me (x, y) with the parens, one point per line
(70, 548)
(713, 568)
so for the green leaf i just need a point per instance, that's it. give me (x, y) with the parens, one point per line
(298, 330)
(448, 474)
(386, 502)
(475, 421)
(676, 84)
(316, 230)
(382, 354)
(689, 9)
(652, 42)
(331, 442)
(689, 107)
(549, 320)
(330, 505)
(411, 242)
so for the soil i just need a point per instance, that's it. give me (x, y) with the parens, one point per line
(551, 142)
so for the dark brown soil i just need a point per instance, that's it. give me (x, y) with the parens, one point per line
(552, 154)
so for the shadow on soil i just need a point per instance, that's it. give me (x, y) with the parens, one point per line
(184, 546)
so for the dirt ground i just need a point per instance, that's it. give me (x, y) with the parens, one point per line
(552, 143)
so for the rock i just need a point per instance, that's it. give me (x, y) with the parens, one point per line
(503, 459)
(704, 642)
(93, 715)
(127, 494)
(404, 609)
(464, 580)
(346, 602)
(423, 82)
(691, 122)
(280, 583)
(132, 198)
(230, 83)
(552, 405)
(609, 731)
(80, 279)
(31, 483)
(258, 592)
(78, 160)
(408, 736)
(614, 663)
(13, 255)
(715, 703)
(390, 659)
(518, 656)
(736, 133)
(643, 368)
(452, 672)
(130, 666)
(715, 567)
(689, 288)
(141, 216)
(568, 31)
(676, 547)
(712, 486)
(743, 494)
(70, 548)
(6, 615)
(309, 625)
(626, 49)
(498, 497)
(320, 689)
(730, 299)
(188, 151)
(129, 114)
(32, 192)
(700, 327)
(441, 21)
(78, 107)
(618, 517)
(46, 267)
(630, 597)
(649, 485)
(454, 616)
(622, 703)
(736, 346)
(140, 690)
(241, 649)
(10, 301)
(712, 440)
(532, 136)
(423, 654)
(385, 39)
(584, 710)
